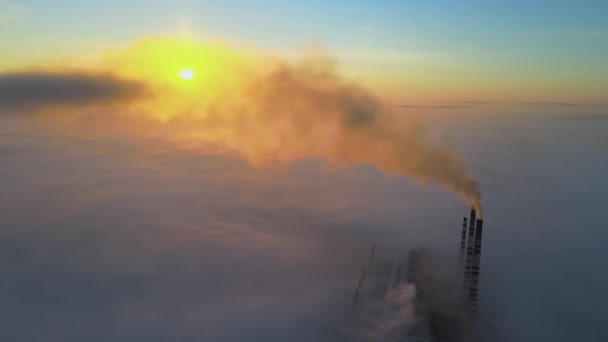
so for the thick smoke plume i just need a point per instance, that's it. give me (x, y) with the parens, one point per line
(266, 109)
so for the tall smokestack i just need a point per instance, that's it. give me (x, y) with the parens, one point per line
(463, 239)
(474, 285)
(471, 237)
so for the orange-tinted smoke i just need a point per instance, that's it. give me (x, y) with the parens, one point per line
(268, 110)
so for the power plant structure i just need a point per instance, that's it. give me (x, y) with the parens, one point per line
(418, 300)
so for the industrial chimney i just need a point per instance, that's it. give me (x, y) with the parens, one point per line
(471, 237)
(474, 285)
(463, 239)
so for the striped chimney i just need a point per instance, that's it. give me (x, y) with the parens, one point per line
(463, 239)
(474, 285)
(471, 237)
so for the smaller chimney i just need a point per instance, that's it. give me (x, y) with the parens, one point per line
(471, 237)
(463, 239)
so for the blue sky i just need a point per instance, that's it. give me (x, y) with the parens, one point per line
(441, 24)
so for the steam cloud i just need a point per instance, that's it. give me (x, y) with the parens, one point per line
(264, 108)
(382, 319)
(401, 300)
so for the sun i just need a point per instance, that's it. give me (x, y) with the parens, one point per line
(186, 74)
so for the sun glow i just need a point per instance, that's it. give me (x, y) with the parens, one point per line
(186, 74)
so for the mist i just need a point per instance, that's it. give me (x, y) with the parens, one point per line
(142, 241)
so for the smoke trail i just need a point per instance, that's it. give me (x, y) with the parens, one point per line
(270, 110)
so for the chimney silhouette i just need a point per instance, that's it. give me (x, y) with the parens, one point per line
(471, 237)
(474, 284)
(463, 239)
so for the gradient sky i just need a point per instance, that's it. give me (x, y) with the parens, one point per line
(414, 51)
